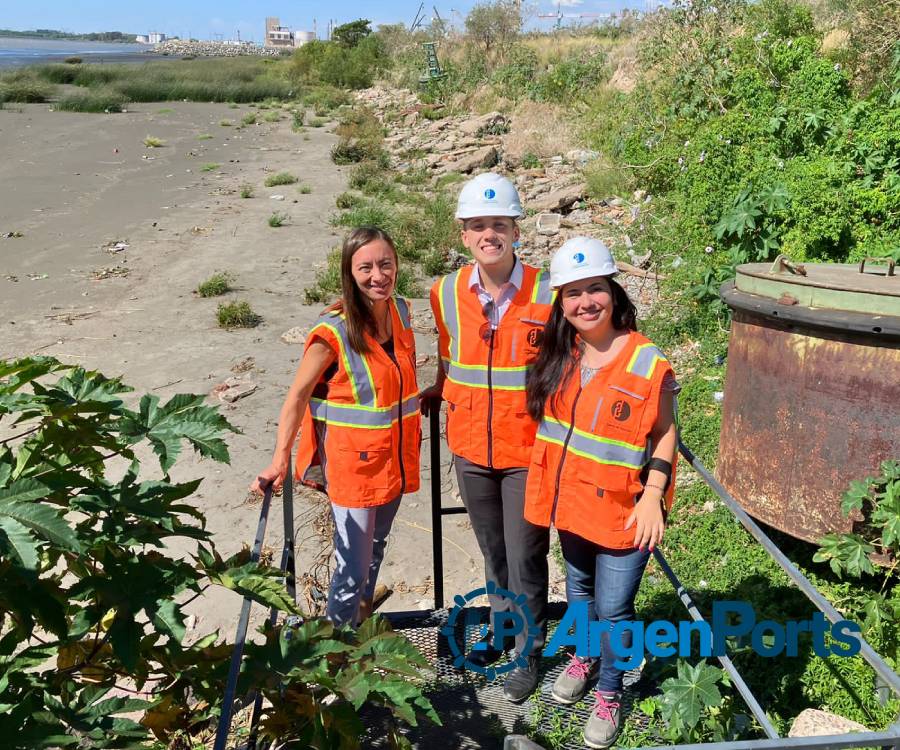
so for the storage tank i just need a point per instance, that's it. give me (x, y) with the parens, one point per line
(812, 388)
(302, 37)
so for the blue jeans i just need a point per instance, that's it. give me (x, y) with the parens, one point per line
(607, 579)
(360, 536)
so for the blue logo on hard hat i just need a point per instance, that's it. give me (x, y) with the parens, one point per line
(490, 194)
(578, 258)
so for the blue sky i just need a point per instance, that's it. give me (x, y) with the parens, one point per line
(205, 19)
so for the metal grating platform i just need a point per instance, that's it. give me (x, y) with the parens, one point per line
(474, 712)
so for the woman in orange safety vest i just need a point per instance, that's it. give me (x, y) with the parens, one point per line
(355, 402)
(601, 468)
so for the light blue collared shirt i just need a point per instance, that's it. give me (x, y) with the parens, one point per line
(507, 292)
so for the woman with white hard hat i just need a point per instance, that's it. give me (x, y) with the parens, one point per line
(490, 317)
(602, 466)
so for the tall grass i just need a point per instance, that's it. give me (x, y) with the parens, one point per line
(202, 80)
(24, 86)
(102, 99)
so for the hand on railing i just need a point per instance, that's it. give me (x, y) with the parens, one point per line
(273, 475)
(430, 398)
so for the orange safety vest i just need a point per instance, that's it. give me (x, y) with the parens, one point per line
(487, 422)
(362, 429)
(593, 443)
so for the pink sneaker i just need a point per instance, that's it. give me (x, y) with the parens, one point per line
(603, 724)
(571, 686)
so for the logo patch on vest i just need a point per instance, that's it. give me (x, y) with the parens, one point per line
(535, 336)
(620, 410)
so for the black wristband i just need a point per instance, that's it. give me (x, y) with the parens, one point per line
(659, 464)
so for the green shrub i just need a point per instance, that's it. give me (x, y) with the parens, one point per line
(246, 191)
(348, 200)
(24, 87)
(211, 167)
(151, 142)
(304, 189)
(204, 137)
(237, 315)
(87, 487)
(280, 178)
(249, 119)
(272, 116)
(216, 285)
(100, 99)
(73, 60)
(277, 219)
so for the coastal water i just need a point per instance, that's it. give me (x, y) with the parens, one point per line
(15, 51)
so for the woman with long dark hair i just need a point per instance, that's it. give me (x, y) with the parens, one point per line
(355, 404)
(601, 470)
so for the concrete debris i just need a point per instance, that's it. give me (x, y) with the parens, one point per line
(812, 722)
(233, 389)
(295, 335)
(548, 224)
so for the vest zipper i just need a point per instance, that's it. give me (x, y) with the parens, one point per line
(400, 429)
(490, 413)
(562, 458)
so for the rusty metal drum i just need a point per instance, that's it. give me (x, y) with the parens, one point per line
(812, 388)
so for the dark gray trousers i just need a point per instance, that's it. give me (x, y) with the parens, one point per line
(515, 550)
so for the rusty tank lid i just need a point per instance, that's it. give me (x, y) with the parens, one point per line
(862, 297)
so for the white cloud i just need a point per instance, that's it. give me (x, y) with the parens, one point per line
(571, 3)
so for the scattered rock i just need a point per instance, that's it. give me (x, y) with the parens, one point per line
(812, 722)
(578, 217)
(548, 223)
(481, 158)
(295, 335)
(276, 197)
(116, 246)
(561, 198)
(11, 235)
(491, 122)
(233, 389)
(580, 157)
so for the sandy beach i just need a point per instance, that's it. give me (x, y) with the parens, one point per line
(76, 186)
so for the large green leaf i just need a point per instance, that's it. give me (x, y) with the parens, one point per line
(689, 694)
(262, 585)
(887, 515)
(169, 618)
(42, 519)
(15, 539)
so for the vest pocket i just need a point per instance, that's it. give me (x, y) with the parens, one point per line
(367, 457)
(621, 414)
(459, 418)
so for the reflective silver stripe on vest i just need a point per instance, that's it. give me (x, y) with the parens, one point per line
(508, 378)
(599, 449)
(450, 312)
(354, 363)
(643, 361)
(543, 294)
(403, 311)
(349, 415)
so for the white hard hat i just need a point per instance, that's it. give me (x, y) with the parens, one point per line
(488, 194)
(581, 258)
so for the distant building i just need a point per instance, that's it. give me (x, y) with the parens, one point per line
(154, 37)
(278, 36)
(142, 38)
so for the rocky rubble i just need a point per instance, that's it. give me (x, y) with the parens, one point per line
(212, 49)
(554, 194)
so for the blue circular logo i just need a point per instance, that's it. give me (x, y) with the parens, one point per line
(489, 193)
(525, 622)
(578, 257)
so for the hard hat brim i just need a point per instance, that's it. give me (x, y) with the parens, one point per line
(507, 212)
(577, 274)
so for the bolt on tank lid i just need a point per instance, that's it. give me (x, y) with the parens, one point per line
(870, 287)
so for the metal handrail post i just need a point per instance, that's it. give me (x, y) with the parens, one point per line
(241, 636)
(437, 539)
